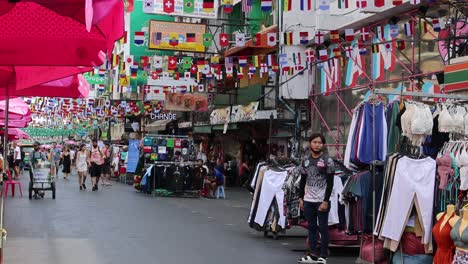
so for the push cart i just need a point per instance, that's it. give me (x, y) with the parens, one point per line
(41, 179)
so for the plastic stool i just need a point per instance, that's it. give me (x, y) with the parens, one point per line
(220, 192)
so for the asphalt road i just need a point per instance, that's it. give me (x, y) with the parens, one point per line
(118, 225)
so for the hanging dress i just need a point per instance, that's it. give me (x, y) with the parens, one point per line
(445, 245)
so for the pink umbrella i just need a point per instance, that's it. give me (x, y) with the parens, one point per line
(14, 123)
(15, 134)
(17, 108)
(68, 87)
(57, 40)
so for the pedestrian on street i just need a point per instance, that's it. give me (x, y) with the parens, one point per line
(16, 159)
(106, 166)
(72, 156)
(315, 189)
(96, 159)
(82, 166)
(66, 162)
(56, 151)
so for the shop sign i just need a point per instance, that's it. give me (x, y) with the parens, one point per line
(176, 36)
(163, 116)
(244, 113)
(185, 124)
(197, 8)
(94, 79)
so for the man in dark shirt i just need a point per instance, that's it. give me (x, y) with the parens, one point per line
(315, 189)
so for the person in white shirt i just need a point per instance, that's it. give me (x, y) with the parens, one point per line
(16, 159)
(72, 156)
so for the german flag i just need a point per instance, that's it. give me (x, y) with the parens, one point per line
(190, 37)
(208, 6)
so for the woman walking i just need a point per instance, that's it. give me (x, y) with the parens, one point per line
(82, 166)
(66, 162)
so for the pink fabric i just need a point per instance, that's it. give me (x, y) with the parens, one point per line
(15, 133)
(68, 87)
(15, 123)
(17, 107)
(33, 34)
(22, 77)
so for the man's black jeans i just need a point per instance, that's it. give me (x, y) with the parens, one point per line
(312, 214)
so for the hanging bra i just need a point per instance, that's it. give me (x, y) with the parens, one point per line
(446, 122)
(465, 119)
(463, 164)
(459, 120)
(459, 241)
(444, 169)
(406, 120)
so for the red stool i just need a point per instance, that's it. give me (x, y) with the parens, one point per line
(12, 183)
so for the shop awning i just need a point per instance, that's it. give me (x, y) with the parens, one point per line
(251, 49)
(157, 125)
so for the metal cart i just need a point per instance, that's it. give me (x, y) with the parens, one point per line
(41, 179)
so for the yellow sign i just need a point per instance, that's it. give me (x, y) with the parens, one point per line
(176, 36)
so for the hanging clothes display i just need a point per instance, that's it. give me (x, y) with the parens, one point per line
(368, 131)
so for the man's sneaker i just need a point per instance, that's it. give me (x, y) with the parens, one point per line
(322, 260)
(84, 186)
(308, 259)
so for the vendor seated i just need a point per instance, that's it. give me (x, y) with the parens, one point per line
(214, 179)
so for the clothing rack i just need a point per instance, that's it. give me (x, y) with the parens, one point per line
(165, 136)
(432, 95)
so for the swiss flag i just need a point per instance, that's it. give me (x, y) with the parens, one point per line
(168, 6)
(172, 63)
(194, 69)
(223, 39)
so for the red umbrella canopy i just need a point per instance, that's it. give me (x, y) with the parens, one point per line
(35, 35)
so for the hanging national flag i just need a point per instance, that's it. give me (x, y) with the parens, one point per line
(263, 69)
(148, 6)
(423, 27)
(240, 73)
(172, 63)
(310, 56)
(361, 3)
(193, 69)
(158, 62)
(207, 39)
(228, 6)
(134, 70)
(224, 39)
(408, 28)
(201, 88)
(157, 37)
(173, 39)
(129, 59)
(284, 60)
(287, 5)
(379, 3)
(255, 61)
(343, 4)
(208, 6)
(381, 32)
(349, 34)
(242, 61)
(154, 75)
(306, 5)
(319, 37)
(270, 60)
(365, 34)
(388, 46)
(229, 72)
(362, 49)
(336, 52)
(102, 72)
(266, 5)
(189, 6)
(186, 63)
(168, 6)
(304, 38)
(349, 51)
(375, 48)
(288, 38)
(415, 2)
(139, 38)
(190, 38)
(271, 39)
(436, 25)
(394, 31)
(257, 40)
(323, 54)
(240, 39)
(334, 36)
(397, 2)
(401, 44)
(324, 5)
(247, 6)
(144, 61)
